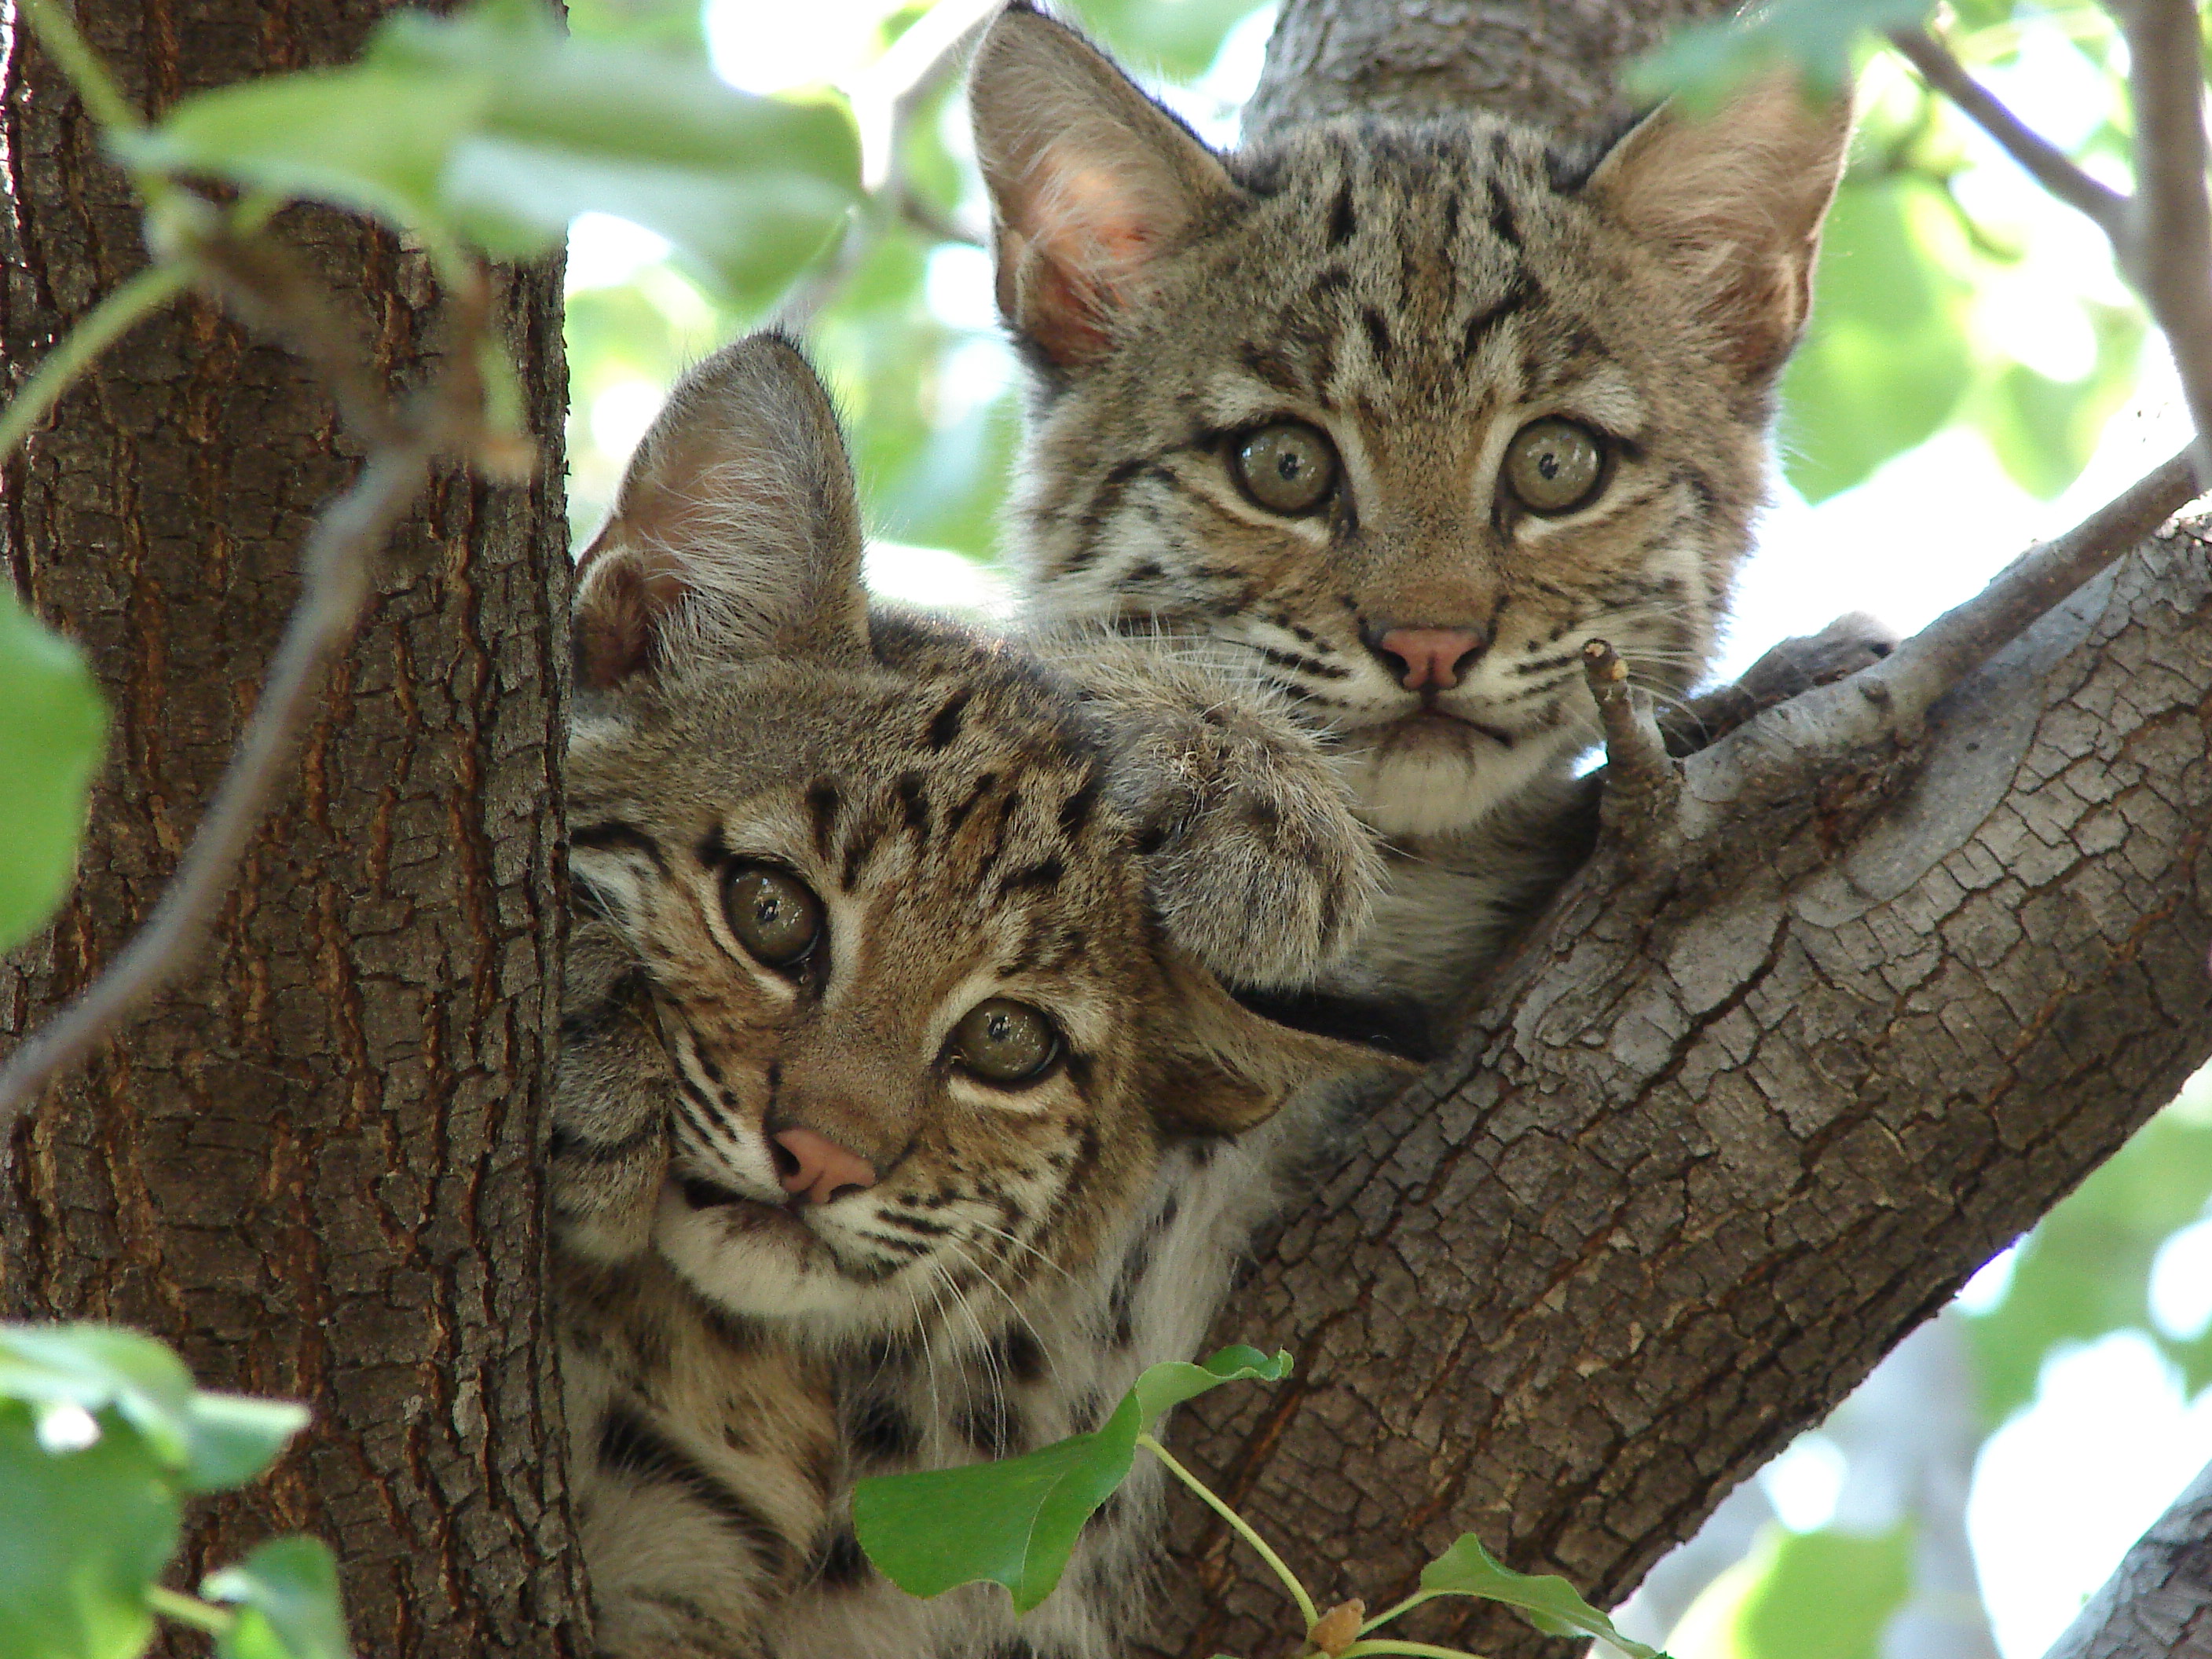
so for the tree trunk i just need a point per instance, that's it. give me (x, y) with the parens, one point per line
(1717, 1137)
(314, 1168)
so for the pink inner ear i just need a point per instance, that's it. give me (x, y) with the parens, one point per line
(624, 602)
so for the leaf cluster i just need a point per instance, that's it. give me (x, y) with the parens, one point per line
(103, 1438)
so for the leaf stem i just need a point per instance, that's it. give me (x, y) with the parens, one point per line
(1241, 1527)
(190, 1610)
(58, 32)
(105, 323)
(1421, 1649)
(1404, 1606)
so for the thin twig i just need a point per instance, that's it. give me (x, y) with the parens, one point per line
(1243, 1529)
(95, 88)
(105, 323)
(2047, 164)
(1643, 785)
(2167, 251)
(1960, 641)
(336, 591)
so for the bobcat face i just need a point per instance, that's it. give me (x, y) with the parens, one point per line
(1397, 415)
(921, 942)
(868, 1003)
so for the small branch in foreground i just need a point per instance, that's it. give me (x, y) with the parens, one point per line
(107, 322)
(1643, 785)
(1959, 641)
(2167, 251)
(347, 534)
(2044, 162)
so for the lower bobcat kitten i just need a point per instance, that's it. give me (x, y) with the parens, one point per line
(893, 1127)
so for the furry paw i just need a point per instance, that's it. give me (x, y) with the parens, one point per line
(1852, 641)
(1255, 861)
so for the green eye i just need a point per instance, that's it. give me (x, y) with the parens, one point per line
(774, 913)
(1004, 1042)
(1288, 468)
(1555, 466)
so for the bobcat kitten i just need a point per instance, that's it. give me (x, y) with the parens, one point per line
(1396, 416)
(891, 1128)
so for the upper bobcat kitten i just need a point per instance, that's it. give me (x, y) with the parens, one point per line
(890, 1127)
(1398, 414)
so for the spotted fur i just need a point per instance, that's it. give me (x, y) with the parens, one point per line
(1420, 293)
(973, 825)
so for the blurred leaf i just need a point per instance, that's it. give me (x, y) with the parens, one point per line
(1546, 1600)
(1825, 1595)
(2044, 430)
(1015, 1522)
(668, 26)
(83, 1534)
(53, 730)
(210, 1442)
(2086, 1269)
(1884, 360)
(1180, 38)
(287, 1593)
(1702, 63)
(235, 1439)
(493, 126)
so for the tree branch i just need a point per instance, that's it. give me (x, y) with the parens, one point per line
(2158, 1603)
(2168, 248)
(2044, 162)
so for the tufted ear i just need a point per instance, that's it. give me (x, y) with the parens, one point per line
(1231, 1062)
(1089, 178)
(1733, 200)
(736, 532)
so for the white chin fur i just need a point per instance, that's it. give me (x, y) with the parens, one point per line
(1435, 787)
(773, 1275)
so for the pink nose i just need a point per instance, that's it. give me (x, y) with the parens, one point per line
(816, 1168)
(1432, 656)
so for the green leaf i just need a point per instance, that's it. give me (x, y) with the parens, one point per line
(1546, 1600)
(53, 729)
(1825, 1595)
(82, 1534)
(235, 1439)
(1015, 1522)
(1885, 359)
(287, 1593)
(493, 126)
(2043, 431)
(1704, 62)
(209, 1441)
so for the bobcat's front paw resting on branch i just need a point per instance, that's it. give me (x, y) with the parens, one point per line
(1255, 859)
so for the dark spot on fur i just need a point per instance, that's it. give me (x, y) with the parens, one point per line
(1342, 219)
(822, 808)
(914, 805)
(1021, 1355)
(1378, 337)
(945, 725)
(991, 1425)
(880, 1429)
(615, 836)
(839, 1562)
(630, 1446)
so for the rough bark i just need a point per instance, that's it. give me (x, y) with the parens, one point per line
(1716, 1140)
(2158, 1603)
(313, 1168)
(1553, 63)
